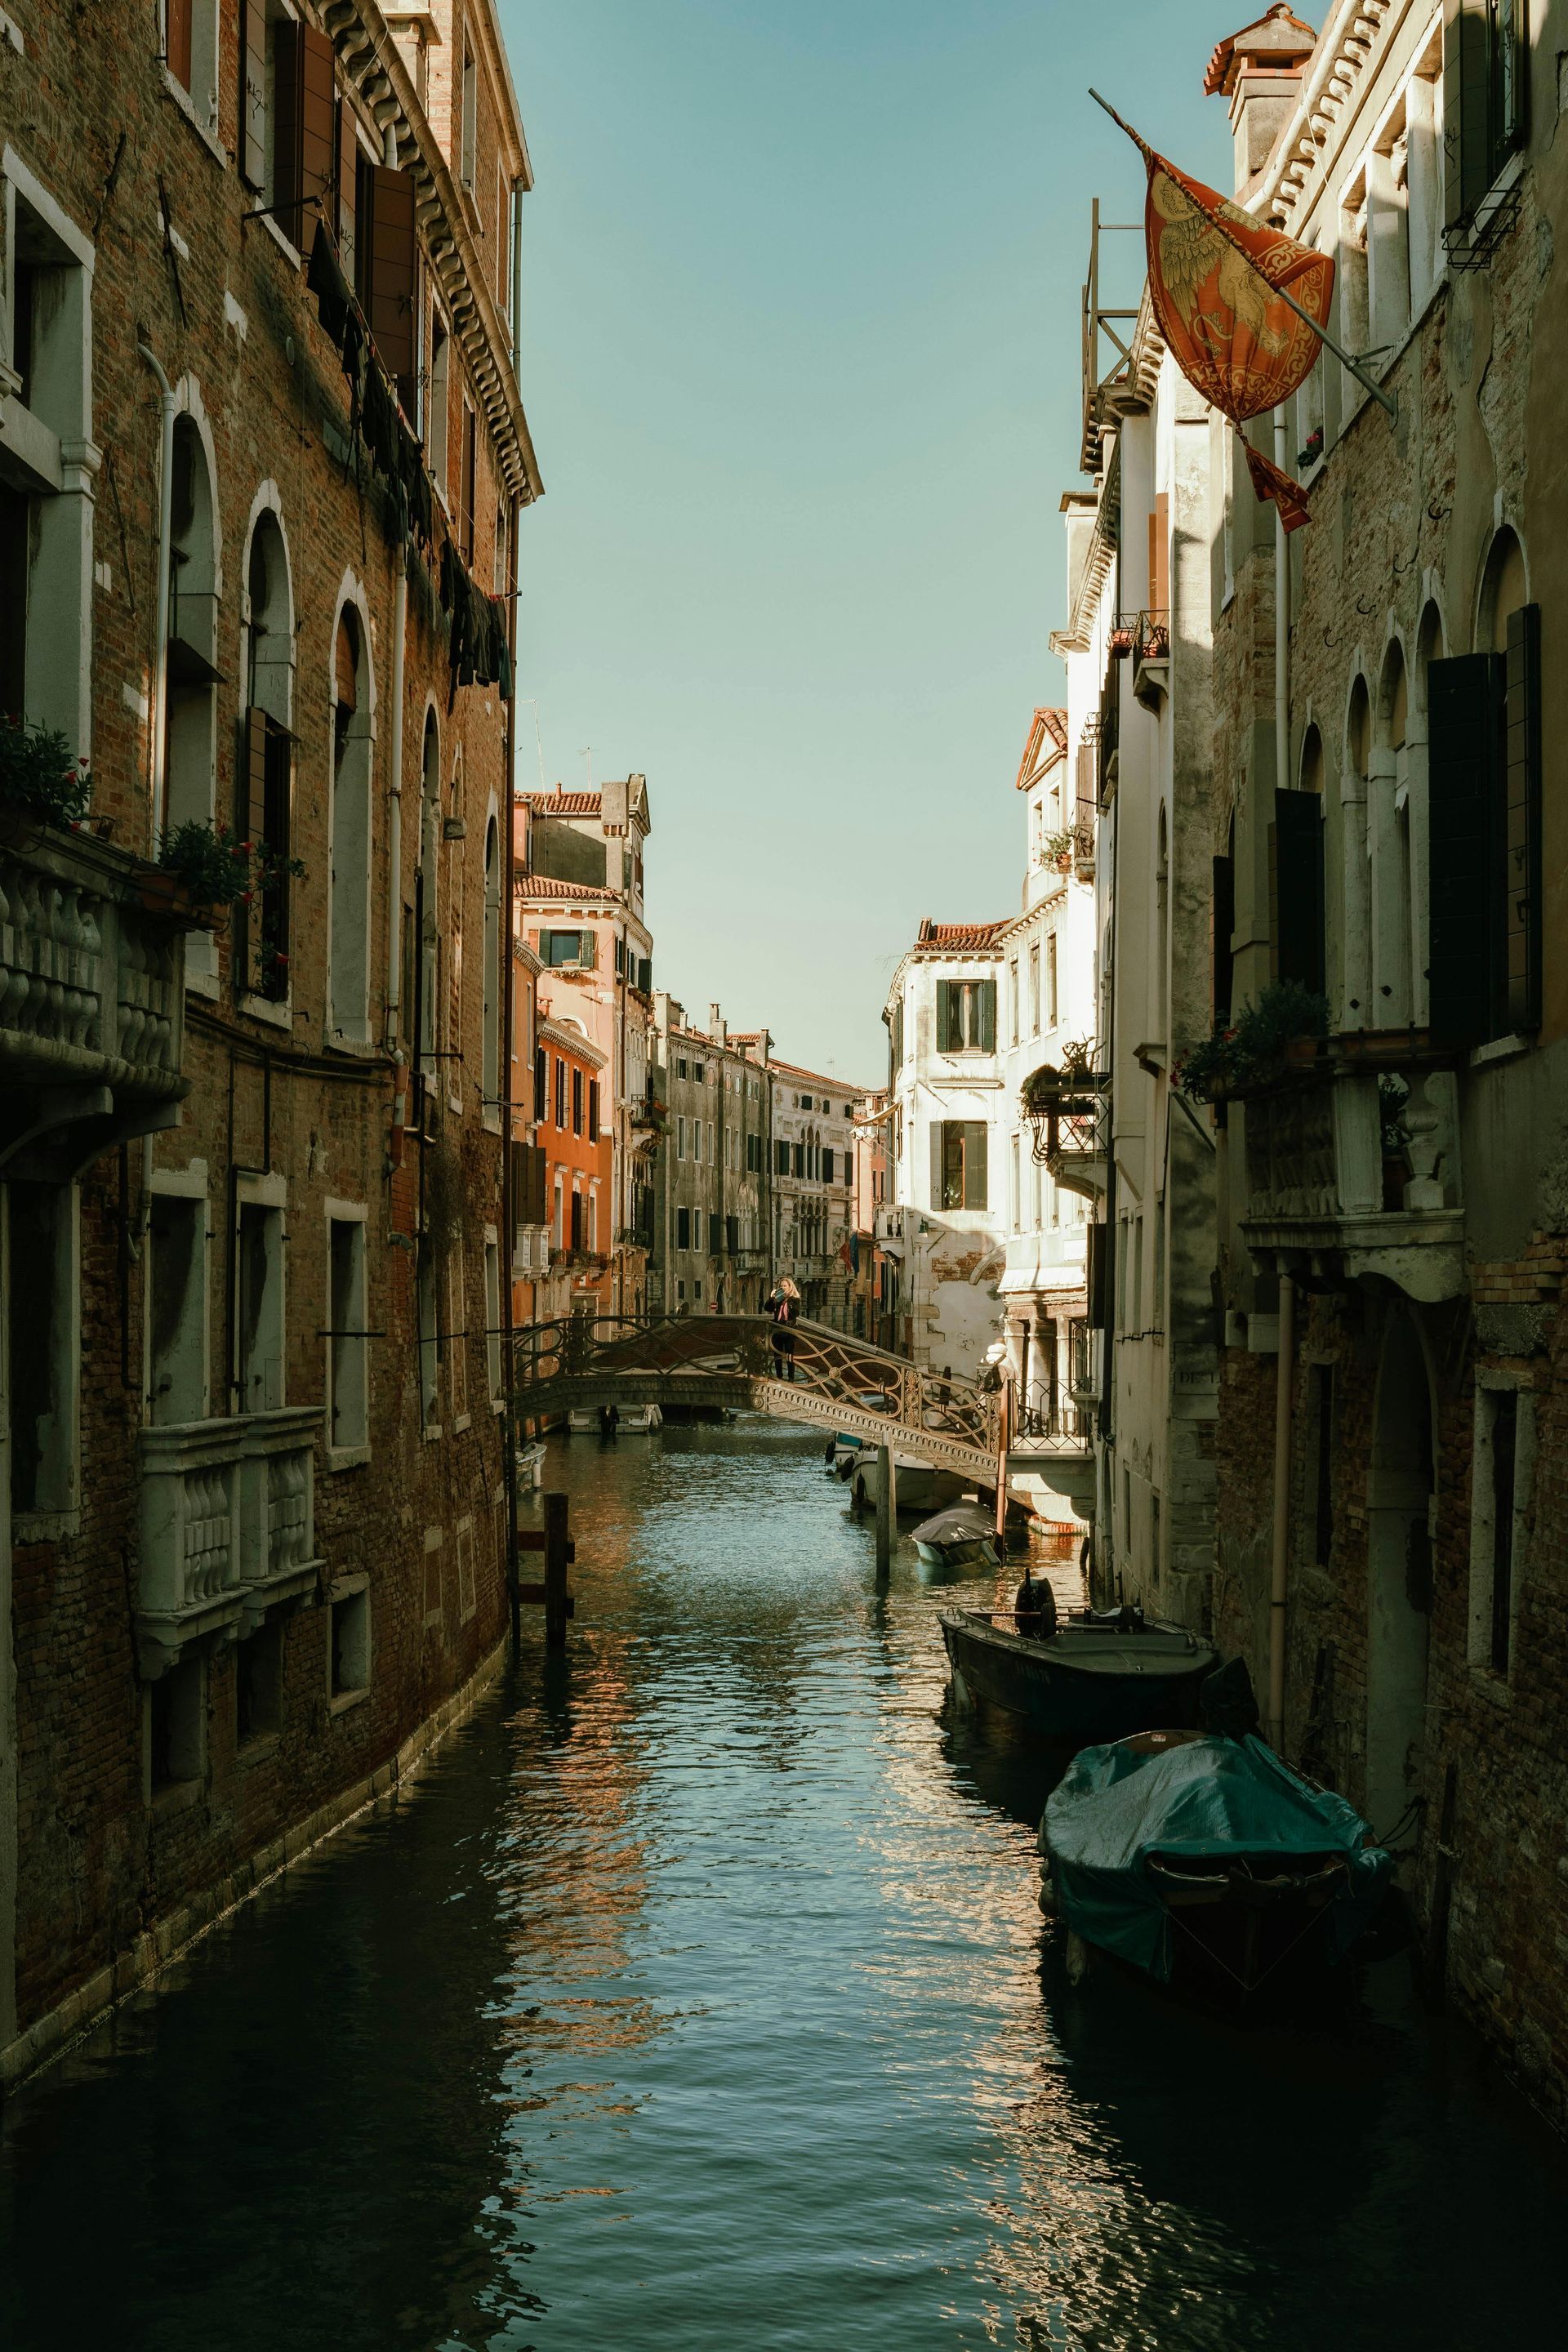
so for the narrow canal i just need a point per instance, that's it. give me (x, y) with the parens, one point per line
(696, 1998)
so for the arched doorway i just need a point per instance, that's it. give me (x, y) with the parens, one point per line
(1400, 1488)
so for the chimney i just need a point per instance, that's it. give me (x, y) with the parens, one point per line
(718, 1028)
(1259, 70)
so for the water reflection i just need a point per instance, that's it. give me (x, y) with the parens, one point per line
(699, 1998)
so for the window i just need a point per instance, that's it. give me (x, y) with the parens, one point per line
(176, 1308)
(44, 1340)
(259, 1685)
(457, 1333)
(561, 1093)
(781, 1159)
(426, 1295)
(561, 950)
(797, 1159)
(258, 1323)
(493, 1321)
(1501, 1477)
(386, 272)
(967, 1016)
(469, 492)
(696, 1139)
(289, 115)
(592, 1110)
(683, 1229)
(960, 1169)
(469, 129)
(1035, 989)
(427, 904)
(1017, 1189)
(1014, 998)
(176, 1713)
(267, 797)
(679, 1136)
(438, 410)
(753, 1155)
(1484, 773)
(348, 1385)
(1296, 907)
(1485, 70)
(348, 1647)
(490, 1038)
(827, 1166)
(190, 52)
(352, 850)
(577, 1104)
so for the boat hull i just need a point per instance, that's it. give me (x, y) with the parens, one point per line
(1064, 1702)
(973, 1551)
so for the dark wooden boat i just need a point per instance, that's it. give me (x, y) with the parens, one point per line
(962, 1537)
(1201, 1858)
(1098, 1677)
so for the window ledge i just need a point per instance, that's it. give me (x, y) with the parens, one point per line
(1499, 1049)
(267, 1009)
(461, 1422)
(359, 1049)
(255, 1749)
(181, 99)
(345, 1699)
(490, 1121)
(286, 246)
(430, 1431)
(202, 983)
(44, 1526)
(347, 1458)
(454, 1105)
(1487, 1683)
(498, 1404)
(178, 1798)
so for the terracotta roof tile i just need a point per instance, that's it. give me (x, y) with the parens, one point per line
(544, 885)
(958, 938)
(564, 804)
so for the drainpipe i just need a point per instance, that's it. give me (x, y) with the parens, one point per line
(517, 196)
(159, 734)
(1279, 1578)
(1282, 626)
(395, 812)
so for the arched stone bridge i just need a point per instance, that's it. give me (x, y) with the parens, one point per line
(583, 1362)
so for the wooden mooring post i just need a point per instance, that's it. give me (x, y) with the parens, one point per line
(887, 1511)
(558, 1551)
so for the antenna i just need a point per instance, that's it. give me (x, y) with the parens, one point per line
(533, 702)
(586, 751)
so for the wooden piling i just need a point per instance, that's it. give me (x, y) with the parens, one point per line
(887, 1504)
(557, 1553)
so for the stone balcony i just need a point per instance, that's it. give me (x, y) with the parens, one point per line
(1357, 1172)
(228, 1527)
(91, 998)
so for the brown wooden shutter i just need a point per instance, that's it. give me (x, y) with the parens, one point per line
(348, 153)
(177, 41)
(1159, 554)
(1522, 924)
(1467, 107)
(392, 274)
(1095, 1235)
(1463, 754)
(1295, 889)
(471, 471)
(592, 1110)
(1224, 961)
(976, 1175)
(253, 92)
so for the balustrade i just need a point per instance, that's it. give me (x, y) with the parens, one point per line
(227, 1525)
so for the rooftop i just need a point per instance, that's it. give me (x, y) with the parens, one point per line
(957, 939)
(544, 885)
(1048, 743)
(1277, 43)
(560, 803)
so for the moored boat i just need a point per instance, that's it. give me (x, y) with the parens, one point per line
(917, 1485)
(1097, 1677)
(630, 1420)
(1189, 1854)
(963, 1535)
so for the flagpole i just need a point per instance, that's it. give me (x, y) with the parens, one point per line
(1384, 399)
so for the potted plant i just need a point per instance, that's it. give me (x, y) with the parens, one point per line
(1285, 1025)
(40, 776)
(1057, 849)
(1121, 642)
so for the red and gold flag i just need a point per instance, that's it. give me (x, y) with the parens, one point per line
(1213, 272)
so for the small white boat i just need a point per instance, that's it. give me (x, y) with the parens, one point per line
(529, 1461)
(962, 1537)
(630, 1420)
(917, 1485)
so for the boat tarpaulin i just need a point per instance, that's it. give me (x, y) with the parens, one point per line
(1202, 1798)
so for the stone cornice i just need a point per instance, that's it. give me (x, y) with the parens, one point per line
(1350, 48)
(371, 61)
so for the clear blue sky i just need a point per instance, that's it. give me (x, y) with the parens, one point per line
(800, 354)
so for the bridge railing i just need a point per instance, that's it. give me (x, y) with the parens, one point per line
(595, 1348)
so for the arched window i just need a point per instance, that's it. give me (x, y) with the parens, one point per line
(1388, 849)
(453, 833)
(427, 971)
(1428, 649)
(264, 798)
(1357, 1011)
(1504, 591)
(353, 745)
(490, 1073)
(190, 709)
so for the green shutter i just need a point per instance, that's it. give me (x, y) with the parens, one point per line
(1297, 888)
(1464, 750)
(939, 1164)
(949, 1017)
(987, 995)
(977, 1174)
(1522, 924)
(1224, 961)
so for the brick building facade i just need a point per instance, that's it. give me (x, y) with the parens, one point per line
(257, 552)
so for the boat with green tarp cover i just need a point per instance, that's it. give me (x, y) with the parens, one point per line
(1188, 1852)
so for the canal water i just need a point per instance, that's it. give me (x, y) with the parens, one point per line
(697, 1998)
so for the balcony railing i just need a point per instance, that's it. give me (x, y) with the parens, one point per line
(1359, 1171)
(227, 1524)
(91, 985)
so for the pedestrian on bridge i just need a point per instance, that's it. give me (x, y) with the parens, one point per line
(784, 1306)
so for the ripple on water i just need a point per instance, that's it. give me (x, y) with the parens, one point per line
(697, 1997)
